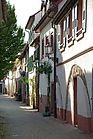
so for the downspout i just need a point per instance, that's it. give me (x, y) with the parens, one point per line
(92, 94)
(55, 110)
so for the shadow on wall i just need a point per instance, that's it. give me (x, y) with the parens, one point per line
(74, 97)
(61, 88)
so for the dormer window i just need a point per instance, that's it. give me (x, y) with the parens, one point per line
(43, 7)
(47, 4)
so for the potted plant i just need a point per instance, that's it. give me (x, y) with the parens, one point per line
(45, 67)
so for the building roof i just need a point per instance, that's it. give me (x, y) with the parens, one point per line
(25, 49)
(47, 17)
(68, 4)
(35, 41)
(31, 20)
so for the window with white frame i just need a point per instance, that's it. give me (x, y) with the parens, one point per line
(64, 32)
(42, 50)
(84, 12)
(74, 21)
(73, 25)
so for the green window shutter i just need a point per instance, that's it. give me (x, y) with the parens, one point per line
(30, 64)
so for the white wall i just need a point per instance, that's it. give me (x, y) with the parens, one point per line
(63, 72)
(43, 78)
(87, 41)
(84, 61)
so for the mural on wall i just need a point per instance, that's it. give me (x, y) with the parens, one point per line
(75, 72)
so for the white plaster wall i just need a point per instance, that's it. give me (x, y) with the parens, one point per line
(82, 99)
(87, 41)
(84, 61)
(43, 82)
(61, 86)
(31, 51)
(63, 71)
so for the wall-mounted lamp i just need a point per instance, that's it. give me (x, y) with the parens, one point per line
(49, 51)
(22, 73)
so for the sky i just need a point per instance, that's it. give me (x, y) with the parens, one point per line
(24, 9)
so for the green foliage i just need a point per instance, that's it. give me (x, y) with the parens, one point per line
(45, 67)
(30, 64)
(11, 41)
(25, 80)
(33, 94)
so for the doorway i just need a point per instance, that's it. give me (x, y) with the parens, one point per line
(52, 98)
(75, 102)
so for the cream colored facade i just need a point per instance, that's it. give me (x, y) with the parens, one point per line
(75, 78)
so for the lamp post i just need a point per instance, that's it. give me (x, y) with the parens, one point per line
(55, 112)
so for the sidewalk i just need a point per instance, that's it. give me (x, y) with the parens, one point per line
(24, 123)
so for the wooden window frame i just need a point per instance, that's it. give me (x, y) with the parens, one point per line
(52, 41)
(76, 26)
(43, 48)
(81, 19)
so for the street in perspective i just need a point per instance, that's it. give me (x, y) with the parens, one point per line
(22, 122)
(46, 69)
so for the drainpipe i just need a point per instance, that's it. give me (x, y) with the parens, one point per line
(92, 94)
(55, 111)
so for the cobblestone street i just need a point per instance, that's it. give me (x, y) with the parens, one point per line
(21, 122)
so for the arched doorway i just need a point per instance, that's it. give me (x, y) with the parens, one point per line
(78, 80)
(75, 100)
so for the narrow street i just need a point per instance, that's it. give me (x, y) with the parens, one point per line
(23, 123)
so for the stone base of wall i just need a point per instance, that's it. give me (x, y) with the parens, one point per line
(92, 125)
(85, 124)
(42, 103)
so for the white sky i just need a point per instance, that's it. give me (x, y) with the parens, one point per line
(24, 9)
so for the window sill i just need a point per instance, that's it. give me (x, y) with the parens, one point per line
(62, 47)
(80, 34)
(70, 41)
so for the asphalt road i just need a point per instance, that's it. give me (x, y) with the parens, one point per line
(21, 122)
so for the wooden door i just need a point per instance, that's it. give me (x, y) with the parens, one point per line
(52, 98)
(75, 101)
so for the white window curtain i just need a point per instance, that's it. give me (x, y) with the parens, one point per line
(67, 28)
(84, 15)
(74, 21)
(59, 36)
(73, 17)
(64, 32)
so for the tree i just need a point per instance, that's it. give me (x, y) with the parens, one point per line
(11, 41)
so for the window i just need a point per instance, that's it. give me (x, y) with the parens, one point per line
(73, 25)
(36, 54)
(84, 15)
(79, 17)
(42, 47)
(74, 21)
(52, 39)
(49, 44)
(65, 29)
(47, 40)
